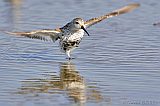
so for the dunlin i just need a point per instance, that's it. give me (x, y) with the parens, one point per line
(71, 34)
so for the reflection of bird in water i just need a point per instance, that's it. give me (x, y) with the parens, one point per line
(71, 34)
(73, 82)
(69, 80)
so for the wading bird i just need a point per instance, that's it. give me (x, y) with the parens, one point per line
(71, 34)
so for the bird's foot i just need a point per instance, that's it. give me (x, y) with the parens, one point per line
(70, 58)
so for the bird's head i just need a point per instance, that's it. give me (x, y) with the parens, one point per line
(78, 23)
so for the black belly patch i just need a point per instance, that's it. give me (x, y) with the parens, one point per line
(68, 45)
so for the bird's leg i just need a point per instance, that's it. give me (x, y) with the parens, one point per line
(69, 55)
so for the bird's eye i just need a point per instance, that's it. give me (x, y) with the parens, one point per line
(77, 23)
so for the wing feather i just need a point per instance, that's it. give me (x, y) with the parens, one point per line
(45, 34)
(122, 10)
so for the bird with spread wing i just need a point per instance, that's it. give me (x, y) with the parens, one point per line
(71, 34)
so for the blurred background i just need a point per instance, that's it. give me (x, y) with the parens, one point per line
(118, 65)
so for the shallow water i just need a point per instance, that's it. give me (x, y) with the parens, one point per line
(118, 65)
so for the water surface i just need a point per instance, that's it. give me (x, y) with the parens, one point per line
(118, 65)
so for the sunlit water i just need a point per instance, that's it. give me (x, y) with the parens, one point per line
(118, 65)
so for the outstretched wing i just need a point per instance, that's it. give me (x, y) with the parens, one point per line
(122, 10)
(46, 34)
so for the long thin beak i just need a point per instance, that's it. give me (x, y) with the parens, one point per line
(82, 27)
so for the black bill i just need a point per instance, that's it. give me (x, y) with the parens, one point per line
(82, 27)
